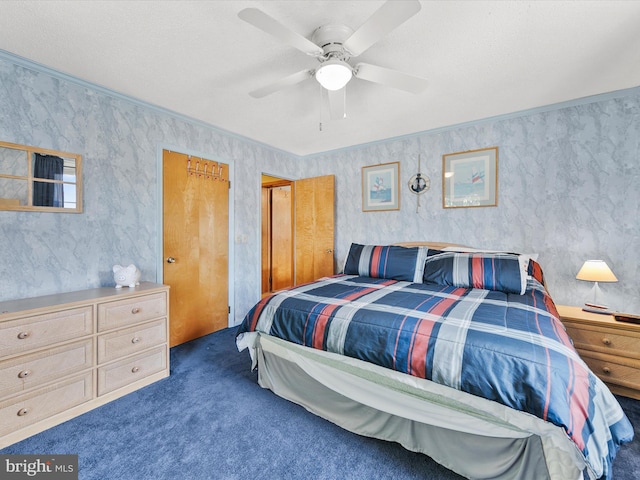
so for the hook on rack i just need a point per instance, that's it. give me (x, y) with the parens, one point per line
(211, 170)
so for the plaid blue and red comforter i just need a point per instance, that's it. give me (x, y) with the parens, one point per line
(504, 347)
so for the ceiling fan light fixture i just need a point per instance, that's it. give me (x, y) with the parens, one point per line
(334, 74)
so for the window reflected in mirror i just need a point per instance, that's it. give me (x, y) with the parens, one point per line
(39, 179)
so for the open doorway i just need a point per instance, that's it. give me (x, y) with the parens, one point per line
(297, 230)
(277, 233)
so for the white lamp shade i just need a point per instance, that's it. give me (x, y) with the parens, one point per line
(596, 271)
(334, 74)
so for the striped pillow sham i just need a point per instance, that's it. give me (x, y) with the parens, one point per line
(391, 262)
(489, 271)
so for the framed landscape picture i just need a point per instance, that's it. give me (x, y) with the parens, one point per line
(470, 179)
(381, 187)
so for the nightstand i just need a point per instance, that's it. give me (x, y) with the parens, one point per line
(610, 348)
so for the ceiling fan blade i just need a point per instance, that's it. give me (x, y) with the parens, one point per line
(391, 78)
(337, 103)
(386, 18)
(264, 22)
(282, 83)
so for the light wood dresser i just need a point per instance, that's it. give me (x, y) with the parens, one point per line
(610, 348)
(63, 355)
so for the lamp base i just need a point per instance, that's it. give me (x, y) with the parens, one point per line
(595, 308)
(595, 305)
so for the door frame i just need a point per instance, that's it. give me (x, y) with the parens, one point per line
(160, 219)
(282, 182)
(259, 225)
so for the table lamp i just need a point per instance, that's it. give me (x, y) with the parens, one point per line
(596, 271)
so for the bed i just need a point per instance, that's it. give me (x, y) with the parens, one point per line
(450, 351)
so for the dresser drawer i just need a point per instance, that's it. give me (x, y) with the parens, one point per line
(136, 339)
(130, 311)
(122, 373)
(605, 341)
(29, 333)
(28, 409)
(618, 371)
(35, 370)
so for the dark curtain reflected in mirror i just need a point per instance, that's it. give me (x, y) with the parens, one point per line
(47, 194)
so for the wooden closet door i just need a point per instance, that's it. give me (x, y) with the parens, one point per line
(314, 229)
(195, 247)
(281, 238)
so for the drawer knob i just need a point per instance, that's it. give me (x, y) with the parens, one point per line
(606, 370)
(606, 341)
(22, 412)
(24, 374)
(135, 310)
(135, 369)
(135, 340)
(23, 335)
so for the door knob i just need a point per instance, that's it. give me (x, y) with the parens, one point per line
(171, 260)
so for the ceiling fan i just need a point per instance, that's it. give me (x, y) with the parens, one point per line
(334, 45)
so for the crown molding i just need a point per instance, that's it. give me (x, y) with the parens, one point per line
(32, 65)
(37, 67)
(601, 97)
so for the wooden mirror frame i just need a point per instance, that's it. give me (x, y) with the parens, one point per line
(13, 194)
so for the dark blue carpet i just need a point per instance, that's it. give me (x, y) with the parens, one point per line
(211, 420)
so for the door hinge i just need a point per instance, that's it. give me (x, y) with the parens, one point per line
(229, 307)
(229, 182)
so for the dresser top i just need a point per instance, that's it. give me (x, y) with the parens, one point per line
(32, 305)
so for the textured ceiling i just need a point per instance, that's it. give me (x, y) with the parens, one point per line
(197, 58)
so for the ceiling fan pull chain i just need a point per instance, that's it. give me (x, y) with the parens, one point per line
(321, 106)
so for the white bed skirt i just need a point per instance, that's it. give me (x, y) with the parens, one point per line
(471, 436)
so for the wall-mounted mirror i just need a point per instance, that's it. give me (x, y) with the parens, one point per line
(37, 179)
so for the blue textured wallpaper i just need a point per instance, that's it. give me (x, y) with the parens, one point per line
(121, 143)
(567, 189)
